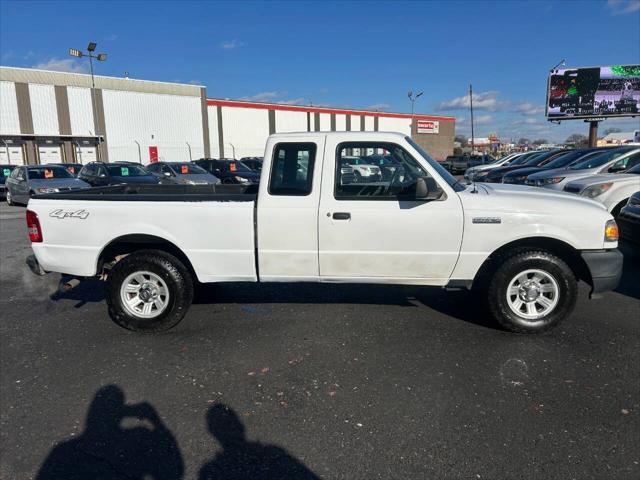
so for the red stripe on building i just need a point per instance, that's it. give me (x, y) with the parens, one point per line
(299, 108)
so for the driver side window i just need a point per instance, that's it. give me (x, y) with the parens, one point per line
(375, 171)
(625, 163)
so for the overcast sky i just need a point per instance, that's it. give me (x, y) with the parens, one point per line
(358, 55)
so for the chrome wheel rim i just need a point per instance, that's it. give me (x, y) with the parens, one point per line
(533, 294)
(144, 294)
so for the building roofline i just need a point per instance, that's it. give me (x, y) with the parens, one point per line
(341, 111)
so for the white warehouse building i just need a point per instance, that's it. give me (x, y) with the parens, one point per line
(52, 117)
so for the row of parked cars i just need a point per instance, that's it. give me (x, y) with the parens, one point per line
(19, 182)
(609, 175)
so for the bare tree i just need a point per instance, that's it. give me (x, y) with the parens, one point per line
(540, 141)
(462, 139)
(577, 139)
(612, 130)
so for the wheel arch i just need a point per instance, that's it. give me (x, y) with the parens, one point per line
(130, 243)
(560, 248)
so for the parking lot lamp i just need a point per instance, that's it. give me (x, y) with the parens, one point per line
(101, 57)
(412, 98)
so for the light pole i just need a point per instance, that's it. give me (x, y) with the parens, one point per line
(101, 57)
(412, 99)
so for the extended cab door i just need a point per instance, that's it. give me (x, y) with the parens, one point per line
(287, 226)
(376, 230)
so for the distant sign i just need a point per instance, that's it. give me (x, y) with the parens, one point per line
(428, 126)
(594, 92)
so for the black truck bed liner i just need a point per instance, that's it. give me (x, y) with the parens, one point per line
(160, 193)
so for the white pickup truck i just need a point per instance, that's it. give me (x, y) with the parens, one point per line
(523, 248)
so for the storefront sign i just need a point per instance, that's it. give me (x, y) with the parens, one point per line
(428, 126)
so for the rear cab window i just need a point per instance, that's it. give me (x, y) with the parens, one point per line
(292, 168)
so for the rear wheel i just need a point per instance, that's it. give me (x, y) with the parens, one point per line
(531, 291)
(149, 291)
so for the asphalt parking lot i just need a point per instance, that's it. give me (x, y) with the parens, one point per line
(328, 381)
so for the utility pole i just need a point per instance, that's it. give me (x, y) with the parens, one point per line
(471, 105)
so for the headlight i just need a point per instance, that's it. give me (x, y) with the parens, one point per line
(241, 179)
(47, 190)
(551, 180)
(611, 231)
(596, 190)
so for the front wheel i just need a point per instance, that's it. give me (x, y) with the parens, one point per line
(9, 199)
(149, 291)
(531, 291)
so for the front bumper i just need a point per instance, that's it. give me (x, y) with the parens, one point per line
(35, 266)
(605, 267)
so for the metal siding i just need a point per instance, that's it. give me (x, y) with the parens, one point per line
(402, 125)
(355, 123)
(341, 123)
(172, 120)
(368, 124)
(246, 129)
(43, 109)
(80, 111)
(290, 121)
(13, 155)
(9, 119)
(325, 122)
(213, 131)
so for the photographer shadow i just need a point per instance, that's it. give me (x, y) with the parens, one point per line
(243, 459)
(119, 441)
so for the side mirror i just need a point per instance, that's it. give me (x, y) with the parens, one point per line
(616, 168)
(103, 175)
(428, 189)
(167, 174)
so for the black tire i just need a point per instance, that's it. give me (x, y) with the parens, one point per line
(517, 262)
(176, 277)
(8, 198)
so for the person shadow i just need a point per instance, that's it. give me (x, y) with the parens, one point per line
(241, 459)
(119, 441)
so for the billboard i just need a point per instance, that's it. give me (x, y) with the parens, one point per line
(594, 92)
(428, 126)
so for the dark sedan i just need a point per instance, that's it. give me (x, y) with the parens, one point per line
(496, 175)
(629, 220)
(481, 176)
(5, 171)
(183, 173)
(229, 171)
(98, 174)
(520, 175)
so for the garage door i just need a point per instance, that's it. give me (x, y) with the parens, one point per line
(12, 156)
(85, 154)
(50, 154)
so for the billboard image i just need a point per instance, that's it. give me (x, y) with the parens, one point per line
(594, 92)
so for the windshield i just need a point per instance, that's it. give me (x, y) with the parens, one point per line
(635, 169)
(127, 170)
(598, 159)
(521, 160)
(5, 170)
(235, 167)
(536, 159)
(446, 176)
(48, 173)
(566, 159)
(186, 169)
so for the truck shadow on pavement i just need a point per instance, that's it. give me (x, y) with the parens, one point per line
(131, 441)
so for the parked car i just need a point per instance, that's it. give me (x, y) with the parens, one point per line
(538, 158)
(461, 163)
(99, 174)
(629, 219)
(363, 171)
(481, 176)
(388, 166)
(611, 189)
(229, 170)
(5, 171)
(470, 173)
(520, 175)
(28, 180)
(611, 160)
(183, 173)
(254, 163)
(346, 173)
(427, 229)
(72, 168)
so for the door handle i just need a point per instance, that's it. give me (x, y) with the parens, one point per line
(341, 216)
